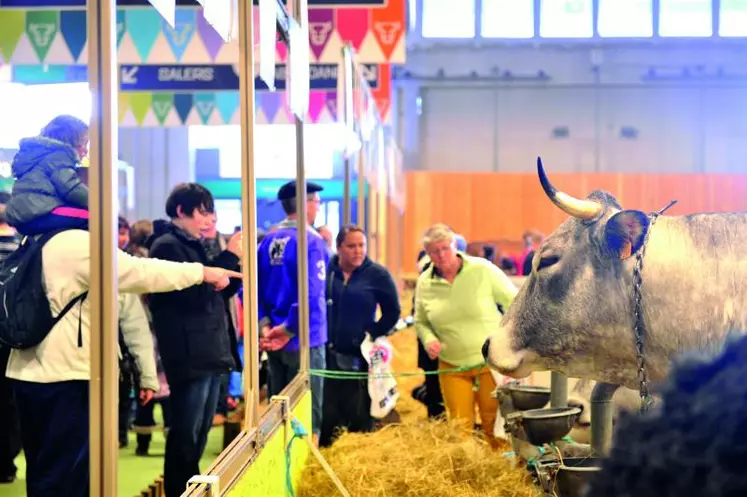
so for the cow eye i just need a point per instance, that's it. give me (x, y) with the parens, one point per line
(547, 261)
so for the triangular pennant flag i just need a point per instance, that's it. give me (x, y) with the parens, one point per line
(353, 25)
(167, 9)
(228, 102)
(73, 30)
(205, 105)
(13, 24)
(332, 103)
(388, 26)
(123, 106)
(223, 15)
(144, 26)
(140, 104)
(183, 105)
(317, 102)
(210, 38)
(321, 27)
(179, 36)
(41, 29)
(270, 102)
(162, 104)
(121, 25)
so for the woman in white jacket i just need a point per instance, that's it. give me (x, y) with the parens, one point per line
(51, 379)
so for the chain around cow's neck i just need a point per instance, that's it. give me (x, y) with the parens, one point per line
(639, 327)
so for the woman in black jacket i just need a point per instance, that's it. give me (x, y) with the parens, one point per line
(356, 287)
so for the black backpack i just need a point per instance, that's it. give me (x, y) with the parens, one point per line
(25, 317)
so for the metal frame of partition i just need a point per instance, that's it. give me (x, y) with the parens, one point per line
(102, 58)
(375, 164)
(102, 64)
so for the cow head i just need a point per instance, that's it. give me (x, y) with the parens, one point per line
(574, 310)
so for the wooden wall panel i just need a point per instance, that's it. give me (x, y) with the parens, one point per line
(492, 206)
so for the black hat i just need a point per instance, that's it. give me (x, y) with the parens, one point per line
(288, 190)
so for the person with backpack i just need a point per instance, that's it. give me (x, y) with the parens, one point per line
(48, 193)
(10, 434)
(47, 323)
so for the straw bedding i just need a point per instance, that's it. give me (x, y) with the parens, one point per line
(416, 457)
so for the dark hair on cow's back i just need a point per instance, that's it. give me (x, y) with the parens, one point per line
(692, 444)
(67, 129)
(189, 196)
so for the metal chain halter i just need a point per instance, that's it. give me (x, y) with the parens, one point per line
(639, 326)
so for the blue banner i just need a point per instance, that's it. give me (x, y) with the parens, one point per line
(183, 3)
(177, 77)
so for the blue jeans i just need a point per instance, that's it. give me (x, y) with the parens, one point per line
(283, 367)
(193, 405)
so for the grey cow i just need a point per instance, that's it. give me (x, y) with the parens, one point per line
(575, 312)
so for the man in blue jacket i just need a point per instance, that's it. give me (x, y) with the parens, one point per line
(278, 297)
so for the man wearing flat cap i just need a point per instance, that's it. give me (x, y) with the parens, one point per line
(277, 267)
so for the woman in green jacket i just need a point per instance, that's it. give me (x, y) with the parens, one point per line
(456, 309)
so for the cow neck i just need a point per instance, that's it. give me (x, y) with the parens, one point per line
(639, 325)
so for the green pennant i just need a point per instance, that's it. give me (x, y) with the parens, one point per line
(41, 29)
(162, 104)
(12, 23)
(140, 104)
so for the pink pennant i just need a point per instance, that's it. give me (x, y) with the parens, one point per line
(317, 103)
(353, 25)
(282, 52)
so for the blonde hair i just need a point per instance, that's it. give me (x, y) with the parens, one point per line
(437, 233)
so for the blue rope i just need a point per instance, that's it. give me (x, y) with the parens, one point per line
(299, 432)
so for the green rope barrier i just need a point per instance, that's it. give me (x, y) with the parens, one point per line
(361, 375)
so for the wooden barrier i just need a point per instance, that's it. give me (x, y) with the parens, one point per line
(501, 206)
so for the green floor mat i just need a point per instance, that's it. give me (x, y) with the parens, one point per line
(135, 473)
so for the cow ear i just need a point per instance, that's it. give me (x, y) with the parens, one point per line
(625, 232)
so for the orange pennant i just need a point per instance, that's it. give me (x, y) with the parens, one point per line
(389, 26)
(383, 93)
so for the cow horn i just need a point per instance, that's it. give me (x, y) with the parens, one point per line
(581, 209)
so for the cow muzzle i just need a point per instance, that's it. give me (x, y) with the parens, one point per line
(502, 358)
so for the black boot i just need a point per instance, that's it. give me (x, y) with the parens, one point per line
(143, 444)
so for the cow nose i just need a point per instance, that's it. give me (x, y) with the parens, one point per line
(486, 349)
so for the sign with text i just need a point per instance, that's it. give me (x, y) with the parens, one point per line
(184, 77)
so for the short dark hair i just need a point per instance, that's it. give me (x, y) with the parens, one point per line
(190, 196)
(289, 205)
(345, 230)
(122, 223)
(66, 129)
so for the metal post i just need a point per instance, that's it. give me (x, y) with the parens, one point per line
(558, 390)
(104, 384)
(347, 101)
(302, 244)
(249, 214)
(601, 417)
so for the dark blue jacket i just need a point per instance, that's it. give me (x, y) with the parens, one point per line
(46, 178)
(352, 305)
(277, 281)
